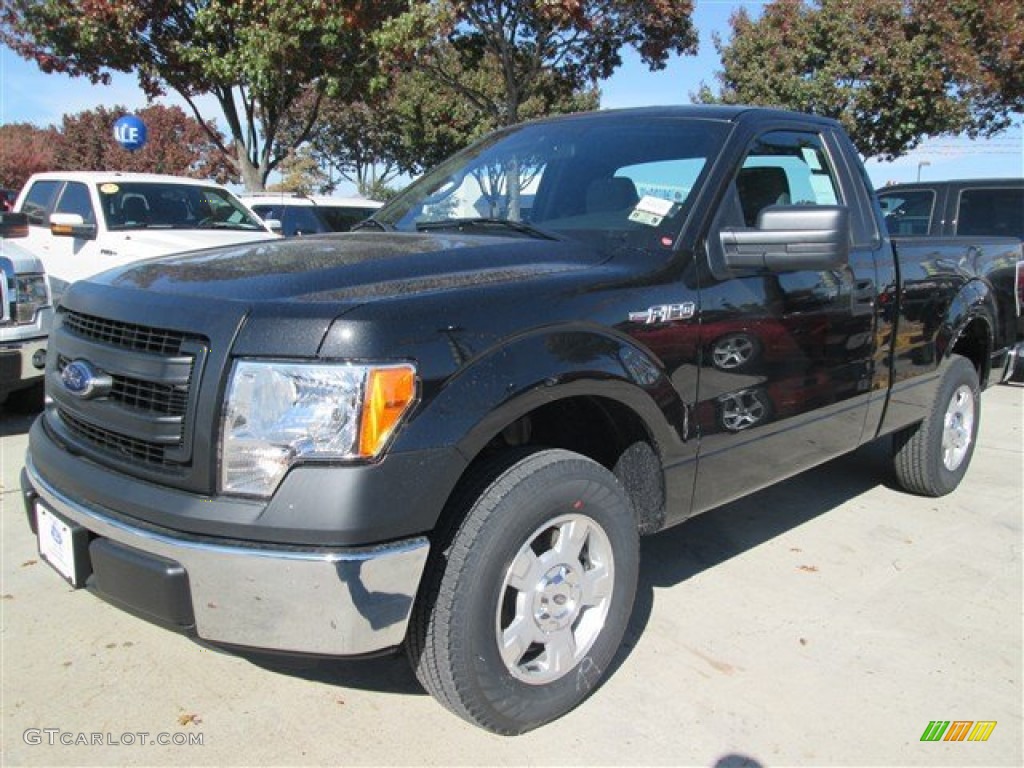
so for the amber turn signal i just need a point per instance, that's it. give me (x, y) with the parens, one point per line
(389, 393)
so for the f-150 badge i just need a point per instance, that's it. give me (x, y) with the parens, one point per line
(664, 313)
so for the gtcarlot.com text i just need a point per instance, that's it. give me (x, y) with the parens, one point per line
(53, 737)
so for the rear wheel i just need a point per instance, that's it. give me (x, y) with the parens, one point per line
(523, 612)
(931, 457)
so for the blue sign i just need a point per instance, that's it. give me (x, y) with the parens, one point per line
(130, 132)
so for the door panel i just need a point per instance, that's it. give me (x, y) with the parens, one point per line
(785, 363)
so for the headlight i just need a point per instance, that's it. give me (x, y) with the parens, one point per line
(279, 413)
(31, 294)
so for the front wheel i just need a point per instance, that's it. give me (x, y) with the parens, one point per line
(523, 612)
(931, 457)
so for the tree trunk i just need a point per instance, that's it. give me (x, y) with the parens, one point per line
(252, 177)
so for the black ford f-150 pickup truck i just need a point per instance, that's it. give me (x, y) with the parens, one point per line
(448, 429)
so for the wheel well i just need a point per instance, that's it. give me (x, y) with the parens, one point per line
(603, 430)
(974, 343)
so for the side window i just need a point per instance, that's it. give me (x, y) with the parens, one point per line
(300, 220)
(992, 212)
(75, 199)
(343, 219)
(785, 168)
(38, 201)
(907, 213)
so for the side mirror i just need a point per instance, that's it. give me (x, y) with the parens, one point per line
(71, 225)
(13, 224)
(790, 238)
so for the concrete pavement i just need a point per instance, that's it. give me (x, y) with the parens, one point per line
(825, 621)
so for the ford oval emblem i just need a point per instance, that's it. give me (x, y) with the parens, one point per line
(82, 380)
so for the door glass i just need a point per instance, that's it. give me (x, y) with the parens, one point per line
(75, 199)
(785, 168)
(39, 200)
(907, 213)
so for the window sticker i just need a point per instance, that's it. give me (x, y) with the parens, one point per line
(811, 158)
(109, 189)
(651, 210)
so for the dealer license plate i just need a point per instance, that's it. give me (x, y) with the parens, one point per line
(57, 543)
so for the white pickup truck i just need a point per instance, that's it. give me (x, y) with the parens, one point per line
(81, 223)
(26, 314)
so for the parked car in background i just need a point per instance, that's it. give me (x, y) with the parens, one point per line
(302, 215)
(988, 207)
(81, 223)
(26, 314)
(964, 208)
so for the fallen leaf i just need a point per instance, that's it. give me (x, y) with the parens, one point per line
(340, 701)
(808, 568)
(803, 641)
(189, 718)
(27, 563)
(111, 645)
(795, 549)
(8, 597)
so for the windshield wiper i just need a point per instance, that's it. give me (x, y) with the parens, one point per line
(370, 222)
(470, 223)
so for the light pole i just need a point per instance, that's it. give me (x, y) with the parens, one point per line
(921, 165)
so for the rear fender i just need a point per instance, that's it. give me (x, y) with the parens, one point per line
(973, 308)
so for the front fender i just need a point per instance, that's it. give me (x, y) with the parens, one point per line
(495, 389)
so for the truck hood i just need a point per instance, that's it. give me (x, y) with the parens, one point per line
(350, 268)
(22, 261)
(146, 243)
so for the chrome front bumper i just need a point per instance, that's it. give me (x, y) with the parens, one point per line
(337, 602)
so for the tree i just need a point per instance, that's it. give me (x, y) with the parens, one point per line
(357, 141)
(892, 72)
(25, 149)
(176, 144)
(256, 57)
(982, 44)
(535, 49)
(301, 174)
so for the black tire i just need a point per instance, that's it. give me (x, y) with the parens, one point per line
(472, 595)
(931, 457)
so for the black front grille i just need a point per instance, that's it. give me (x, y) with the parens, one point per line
(119, 445)
(148, 396)
(127, 335)
(145, 417)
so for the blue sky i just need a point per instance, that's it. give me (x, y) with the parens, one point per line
(28, 95)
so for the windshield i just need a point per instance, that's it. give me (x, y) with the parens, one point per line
(153, 205)
(611, 181)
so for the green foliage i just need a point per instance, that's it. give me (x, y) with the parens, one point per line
(892, 72)
(301, 175)
(501, 55)
(257, 57)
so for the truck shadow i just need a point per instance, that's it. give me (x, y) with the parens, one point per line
(667, 559)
